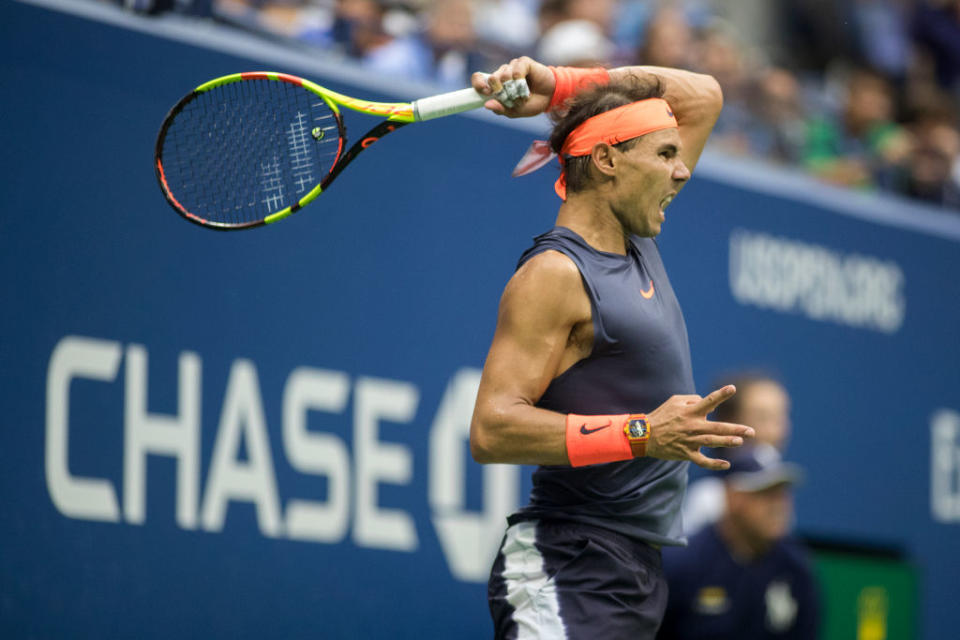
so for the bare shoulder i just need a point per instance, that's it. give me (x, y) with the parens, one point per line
(548, 284)
(550, 266)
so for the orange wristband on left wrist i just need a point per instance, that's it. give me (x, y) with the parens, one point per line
(597, 439)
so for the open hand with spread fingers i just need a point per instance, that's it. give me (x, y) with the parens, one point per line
(679, 427)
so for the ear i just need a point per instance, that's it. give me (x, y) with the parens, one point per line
(604, 158)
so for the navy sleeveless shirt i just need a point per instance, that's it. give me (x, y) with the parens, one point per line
(640, 357)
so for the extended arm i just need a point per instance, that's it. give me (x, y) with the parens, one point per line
(543, 310)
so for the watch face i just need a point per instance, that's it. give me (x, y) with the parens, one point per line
(637, 428)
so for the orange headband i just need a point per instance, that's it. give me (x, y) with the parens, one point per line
(615, 126)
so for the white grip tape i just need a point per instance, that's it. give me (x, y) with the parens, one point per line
(447, 104)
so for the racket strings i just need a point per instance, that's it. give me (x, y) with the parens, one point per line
(245, 150)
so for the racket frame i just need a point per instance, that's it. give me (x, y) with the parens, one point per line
(397, 114)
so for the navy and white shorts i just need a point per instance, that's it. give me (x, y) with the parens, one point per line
(558, 579)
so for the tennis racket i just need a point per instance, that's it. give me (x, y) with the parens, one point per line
(249, 149)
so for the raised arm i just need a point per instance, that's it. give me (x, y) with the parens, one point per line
(696, 99)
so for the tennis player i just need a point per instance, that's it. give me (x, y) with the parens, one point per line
(589, 372)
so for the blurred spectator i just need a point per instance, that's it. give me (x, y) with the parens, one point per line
(744, 577)
(936, 25)
(760, 402)
(779, 128)
(450, 42)
(575, 43)
(667, 40)
(882, 28)
(359, 29)
(718, 53)
(934, 168)
(756, 23)
(862, 146)
(817, 32)
(550, 13)
(600, 12)
(575, 33)
(511, 24)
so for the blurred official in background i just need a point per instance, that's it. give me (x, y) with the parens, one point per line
(743, 577)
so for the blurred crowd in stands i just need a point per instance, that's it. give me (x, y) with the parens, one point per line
(861, 93)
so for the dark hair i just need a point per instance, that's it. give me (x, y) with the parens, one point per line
(595, 101)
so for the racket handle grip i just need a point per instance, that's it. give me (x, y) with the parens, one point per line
(448, 104)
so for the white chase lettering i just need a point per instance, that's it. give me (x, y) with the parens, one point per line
(468, 539)
(230, 479)
(76, 357)
(322, 454)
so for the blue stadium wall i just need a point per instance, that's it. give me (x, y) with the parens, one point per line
(263, 434)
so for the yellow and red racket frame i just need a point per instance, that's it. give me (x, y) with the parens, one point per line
(397, 114)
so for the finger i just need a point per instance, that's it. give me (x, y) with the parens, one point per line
(714, 400)
(709, 427)
(521, 67)
(714, 464)
(496, 107)
(718, 441)
(479, 82)
(495, 80)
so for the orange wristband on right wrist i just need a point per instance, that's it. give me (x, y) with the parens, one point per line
(571, 81)
(597, 439)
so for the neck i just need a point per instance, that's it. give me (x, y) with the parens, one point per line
(743, 547)
(592, 219)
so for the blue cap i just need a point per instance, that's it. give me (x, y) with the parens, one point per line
(758, 467)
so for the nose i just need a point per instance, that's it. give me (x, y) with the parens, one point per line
(680, 171)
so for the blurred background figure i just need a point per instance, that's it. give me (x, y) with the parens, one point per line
(667, 40)
(510, 25)
(375, 33)
(449, 43)
(861, 145)
(575, 43)
(719, 52)
(936, 28)
(744, 577)
(778, 131)
(934, 168)
(600, 12)
(760, 402)
(575, 33)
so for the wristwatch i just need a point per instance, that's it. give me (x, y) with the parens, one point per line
(637, 431)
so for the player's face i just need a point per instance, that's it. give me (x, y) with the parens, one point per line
(648, 178)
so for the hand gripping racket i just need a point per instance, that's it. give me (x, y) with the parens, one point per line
(250, 149)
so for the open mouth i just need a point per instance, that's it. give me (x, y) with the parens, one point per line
(664, 204)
